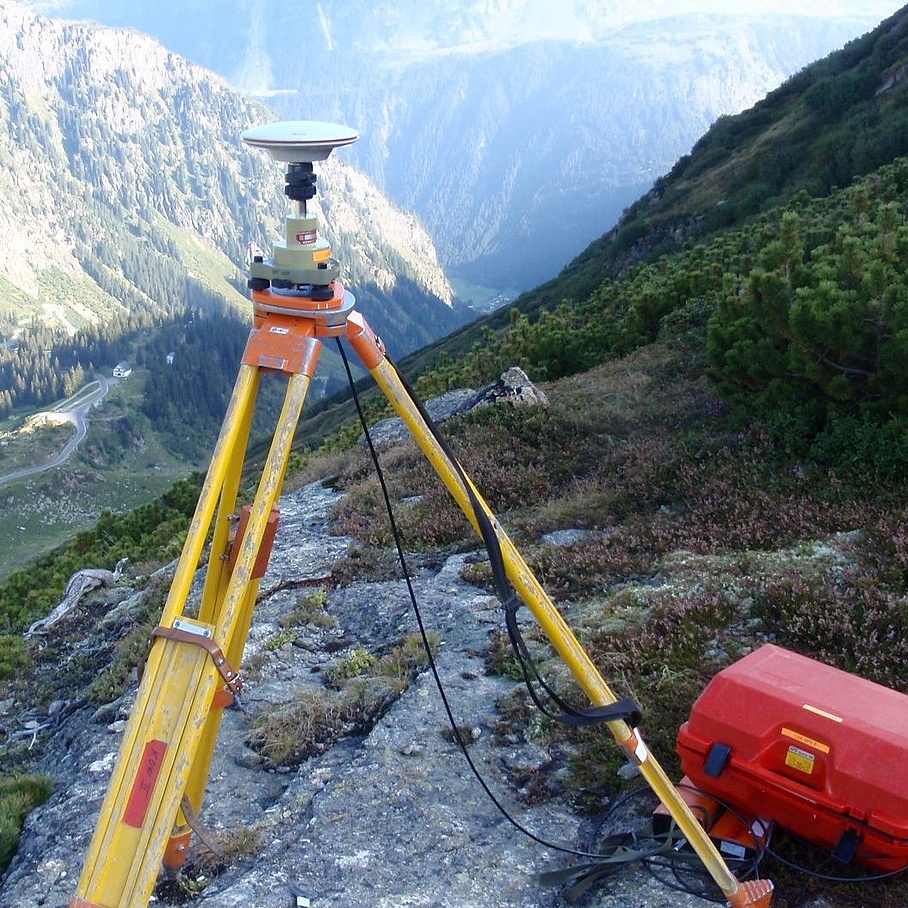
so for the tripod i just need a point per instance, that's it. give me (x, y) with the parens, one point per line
(158, 781)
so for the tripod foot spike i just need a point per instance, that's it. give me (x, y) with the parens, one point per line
(752, 894)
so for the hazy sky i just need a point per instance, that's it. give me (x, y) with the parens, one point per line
(804, 7)
(417, 28)
(632, 8)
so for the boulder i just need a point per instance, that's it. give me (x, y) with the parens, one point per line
(513, 387)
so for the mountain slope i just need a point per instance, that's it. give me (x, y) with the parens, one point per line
(126, 197)
(125, 185)
(518, 136)
(665, 262)
(840, 118)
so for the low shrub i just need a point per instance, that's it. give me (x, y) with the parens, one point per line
(851, 623)
(19, 795)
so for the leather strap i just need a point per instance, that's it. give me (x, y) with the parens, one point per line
(231, 676)
(200, 829)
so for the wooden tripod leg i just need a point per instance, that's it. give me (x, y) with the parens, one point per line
(165, 747)
(288, 346)
(233, 613)
(138, 811)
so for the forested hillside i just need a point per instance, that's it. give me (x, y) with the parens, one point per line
(803, 313)
(127, 197)
(837, 119)
(129, 206)
(40, 363)
(516, 131)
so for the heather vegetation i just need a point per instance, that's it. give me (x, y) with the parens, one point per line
(802, 312)
(642, 452)
(707, 536)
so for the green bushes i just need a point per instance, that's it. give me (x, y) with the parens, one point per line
(870, 451)
(12, 655)
(19, 795)
(803, 315)
(820, 333)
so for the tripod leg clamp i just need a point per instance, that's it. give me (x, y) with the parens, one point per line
(230, 675)
(752, 894)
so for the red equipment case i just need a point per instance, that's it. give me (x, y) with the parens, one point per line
(821, 752)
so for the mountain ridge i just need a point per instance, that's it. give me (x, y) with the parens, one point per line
(789, 141)
(116, 149)
(541, 141)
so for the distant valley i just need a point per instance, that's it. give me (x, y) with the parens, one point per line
(129, 206)
(125, 187)
(517, 136)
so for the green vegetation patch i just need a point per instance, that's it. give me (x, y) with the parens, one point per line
(802, 313)
(150, 534)
(359, 690)
(696, 538)
(19, 795)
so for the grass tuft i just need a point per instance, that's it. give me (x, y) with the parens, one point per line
(19, 795)
(358, 691)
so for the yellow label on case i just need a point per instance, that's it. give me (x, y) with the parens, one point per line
(800, 760)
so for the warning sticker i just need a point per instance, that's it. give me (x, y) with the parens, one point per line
(800, 760)
(305, 237)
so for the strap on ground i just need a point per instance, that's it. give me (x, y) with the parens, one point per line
(617, 852)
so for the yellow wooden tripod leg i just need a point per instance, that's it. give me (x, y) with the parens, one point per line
(752, 894)
(292, 349)
(216, 578)
(236, 604)
(234, 430)
(158, 755)
(139, 795)
(287, 344)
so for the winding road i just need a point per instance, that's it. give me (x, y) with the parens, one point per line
(73, 410)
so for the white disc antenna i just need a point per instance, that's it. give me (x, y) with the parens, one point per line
(300, 141)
